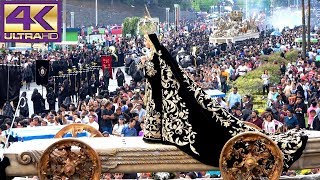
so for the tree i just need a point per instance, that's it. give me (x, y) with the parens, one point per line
(303, 30)
(130, 26)
(203, 5)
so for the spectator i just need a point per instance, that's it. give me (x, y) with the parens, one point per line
(107, 117)
(92, 121)
(255, 119)
(234, 97)
(271, 125)
(129, 130)
(117, 128)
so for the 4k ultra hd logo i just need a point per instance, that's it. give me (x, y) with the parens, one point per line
(25, 21)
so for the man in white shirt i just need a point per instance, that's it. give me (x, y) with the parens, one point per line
(222, 103)
(139, 110)
(242, 70)
(92, 122)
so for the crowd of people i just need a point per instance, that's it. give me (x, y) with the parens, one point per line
(121, 113)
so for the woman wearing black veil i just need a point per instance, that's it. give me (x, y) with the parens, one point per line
(24, 107)
(180, 113)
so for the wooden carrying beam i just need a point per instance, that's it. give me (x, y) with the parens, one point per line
(126, 155)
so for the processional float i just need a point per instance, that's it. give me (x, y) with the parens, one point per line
(79, 158)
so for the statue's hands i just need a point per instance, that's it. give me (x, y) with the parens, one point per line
(143, 59)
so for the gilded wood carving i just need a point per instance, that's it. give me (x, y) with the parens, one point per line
(251, 156)
(75, 129)
(251, 125)
(69, 159)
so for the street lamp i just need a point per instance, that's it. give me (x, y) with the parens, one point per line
(96, 12)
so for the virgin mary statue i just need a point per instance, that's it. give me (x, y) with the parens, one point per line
(180, 113)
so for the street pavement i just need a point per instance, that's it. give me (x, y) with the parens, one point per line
(43, 92)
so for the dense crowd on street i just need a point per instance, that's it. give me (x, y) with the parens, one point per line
(291, 103)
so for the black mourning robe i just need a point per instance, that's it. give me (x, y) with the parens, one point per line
(180, 113)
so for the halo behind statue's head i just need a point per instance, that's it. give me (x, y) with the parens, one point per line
(147, 25)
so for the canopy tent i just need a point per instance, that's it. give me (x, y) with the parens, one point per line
(214, 93)
(299, 40)
(276, 33)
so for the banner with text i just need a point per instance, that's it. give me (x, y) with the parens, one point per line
(106, 62)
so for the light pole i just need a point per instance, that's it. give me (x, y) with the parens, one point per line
(96, 12)
(72, 19)
(168, 17)
(177, 15)
(247, 10)
(64, 24)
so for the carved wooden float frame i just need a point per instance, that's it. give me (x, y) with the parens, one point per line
(75, 129)
(258, 156)
(139, 158)
(60, 161)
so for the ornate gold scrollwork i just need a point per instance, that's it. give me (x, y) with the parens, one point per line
(29, 157)
(251, 125)
(69, 159)
(75, 129)
(249, 156)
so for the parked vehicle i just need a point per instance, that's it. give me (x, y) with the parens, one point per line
(116, 30)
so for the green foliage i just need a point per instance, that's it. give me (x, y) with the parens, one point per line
(251, 83)
(203, 5)
(292, 56)
(130, 26)
(274, 58)
(185, 5)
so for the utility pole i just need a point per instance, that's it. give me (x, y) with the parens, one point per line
(309, 25)
(168, 18)
(247, 10)
(96, 12)
(64, 24)
(72, 19)
(303, 30)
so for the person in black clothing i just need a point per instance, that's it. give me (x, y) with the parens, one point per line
(64, 92)
(51, 99)
(38, 102)
(316, 123)
(83, 91)
(94, 83)
(128, 111)
(107, 118)
(137, 76)
(8, 110)
(120, 77)
(24, 107)
(106, 79)
(28, 76)
(118, 113)
(300, 110)
(137, 126)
